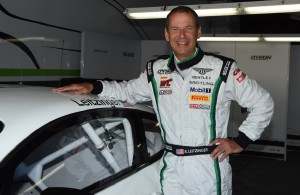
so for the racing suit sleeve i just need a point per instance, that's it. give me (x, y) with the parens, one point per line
(133, 91)
(259, 103)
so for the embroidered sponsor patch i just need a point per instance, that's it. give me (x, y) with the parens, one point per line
(165, 83)
(202, 83)
(226, 67)
(149, 67)
(203, 71)
(236, 71)
(200, 90)
(199, 98)
(241, 77)
(162, 71)
(201, 77)
(165, 92)
(200, 106)
(179, 151)
(164, 77)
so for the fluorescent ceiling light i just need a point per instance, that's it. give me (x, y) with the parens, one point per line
(282, 39)
(162, 12)
(272, 9)
(251, 38)
(229, 39)
(220, 9)
(217, 12)
(148, 15)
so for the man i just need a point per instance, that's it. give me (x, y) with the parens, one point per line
(191, 93)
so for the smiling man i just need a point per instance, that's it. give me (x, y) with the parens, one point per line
(191, 92)
(182, 31)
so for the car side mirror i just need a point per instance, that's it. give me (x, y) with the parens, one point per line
(63, 191)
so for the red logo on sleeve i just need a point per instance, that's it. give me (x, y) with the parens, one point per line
(236, 71)
(241, 77)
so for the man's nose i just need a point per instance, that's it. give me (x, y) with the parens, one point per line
(182, 33)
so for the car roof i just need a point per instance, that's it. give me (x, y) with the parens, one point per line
(25, 109)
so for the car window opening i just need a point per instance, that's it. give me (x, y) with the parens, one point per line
(104, 147)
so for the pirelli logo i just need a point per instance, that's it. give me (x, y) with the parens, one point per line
(199, 98)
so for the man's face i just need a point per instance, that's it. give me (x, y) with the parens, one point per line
(182, 34)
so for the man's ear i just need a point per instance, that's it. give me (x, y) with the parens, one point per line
(199, 32)
(167, 35)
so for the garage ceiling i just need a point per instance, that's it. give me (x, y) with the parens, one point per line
(106, 16)
(246, 24)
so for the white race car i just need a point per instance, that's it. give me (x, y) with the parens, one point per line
(61, 143)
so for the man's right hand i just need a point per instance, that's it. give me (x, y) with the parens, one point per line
(82, 88)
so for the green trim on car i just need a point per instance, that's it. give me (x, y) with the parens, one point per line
(38, 72)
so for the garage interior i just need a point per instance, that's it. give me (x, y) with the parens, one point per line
(252, 174)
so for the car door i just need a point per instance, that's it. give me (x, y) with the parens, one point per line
(94, 152)
(145, 181)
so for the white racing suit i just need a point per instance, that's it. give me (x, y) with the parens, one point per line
(193, 111)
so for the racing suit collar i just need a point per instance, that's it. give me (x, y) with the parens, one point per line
(193, 60)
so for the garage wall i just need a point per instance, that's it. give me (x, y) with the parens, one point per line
(40, 40)
(106, 56)
(268, 64)
(32, 50)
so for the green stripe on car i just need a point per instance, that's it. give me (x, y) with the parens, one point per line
(38, 72)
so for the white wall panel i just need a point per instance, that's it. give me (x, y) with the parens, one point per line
(268, 64)
(108, 56)
(152, 49)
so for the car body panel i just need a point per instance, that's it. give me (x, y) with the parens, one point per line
(34, 117)
(149, 177)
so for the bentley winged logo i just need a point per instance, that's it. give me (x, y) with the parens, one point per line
(202, 71)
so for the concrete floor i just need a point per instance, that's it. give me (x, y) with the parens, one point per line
(263, 176)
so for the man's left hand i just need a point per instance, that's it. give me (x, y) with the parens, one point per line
(225, 147)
